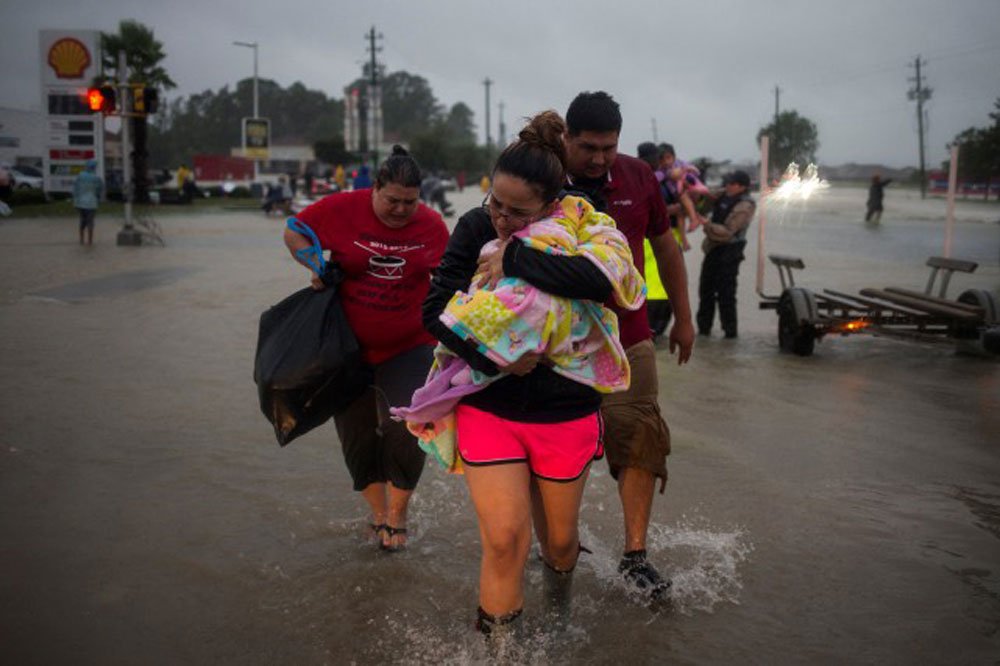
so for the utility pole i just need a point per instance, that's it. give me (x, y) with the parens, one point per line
(256, 97)
(374, 99)
(489, 140)
(920, 93)
(775, 143)
(774, 139)
(502, 136)
(656, 139)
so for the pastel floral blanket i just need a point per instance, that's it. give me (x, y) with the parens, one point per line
(578, 338)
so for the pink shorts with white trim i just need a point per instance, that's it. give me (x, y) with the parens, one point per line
(554, 451)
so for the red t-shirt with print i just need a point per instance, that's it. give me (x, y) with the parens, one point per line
(387, 271)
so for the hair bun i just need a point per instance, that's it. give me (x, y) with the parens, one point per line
(399, 150)
(545, 130)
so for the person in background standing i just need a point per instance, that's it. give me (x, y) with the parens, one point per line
(875, 193)
(725, 239)
(307, 181)
(182, 176)
(363, 178)
(88, 188)
(657, 299)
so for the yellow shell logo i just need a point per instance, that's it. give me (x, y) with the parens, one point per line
(69, 58)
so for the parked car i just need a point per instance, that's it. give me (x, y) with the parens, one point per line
(27, 178)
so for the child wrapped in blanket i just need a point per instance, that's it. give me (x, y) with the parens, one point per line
(578, 338)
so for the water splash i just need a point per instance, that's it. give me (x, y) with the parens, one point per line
(703, 561)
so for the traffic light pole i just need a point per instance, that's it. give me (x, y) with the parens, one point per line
(128, 234)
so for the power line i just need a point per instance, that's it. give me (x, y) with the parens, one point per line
(850, 76)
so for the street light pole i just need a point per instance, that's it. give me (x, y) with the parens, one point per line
(256, 109)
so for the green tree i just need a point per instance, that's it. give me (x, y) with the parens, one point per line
(431, 147)
(333, 151)
(143, 54)
(459, 124)
(210, 122)
(793, 139)
(979, 152)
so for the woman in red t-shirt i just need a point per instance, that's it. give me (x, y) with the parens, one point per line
(387, 244)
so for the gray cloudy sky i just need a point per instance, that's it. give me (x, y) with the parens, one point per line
(705, 70)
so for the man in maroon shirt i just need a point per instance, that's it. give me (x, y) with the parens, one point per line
(637, 439)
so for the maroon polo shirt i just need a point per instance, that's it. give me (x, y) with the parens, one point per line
(635, 203)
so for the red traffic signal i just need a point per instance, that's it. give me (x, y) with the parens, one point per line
(95, 100)
(101, 99)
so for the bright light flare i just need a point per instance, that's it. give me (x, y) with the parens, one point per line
(854, 326)
(798, 187)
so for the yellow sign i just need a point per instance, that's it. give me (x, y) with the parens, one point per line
(69, 58)
(257, 138)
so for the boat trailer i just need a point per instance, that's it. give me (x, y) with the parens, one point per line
(804, 316)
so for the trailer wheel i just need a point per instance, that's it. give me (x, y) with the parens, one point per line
(985, 300)
(796, 314)
(979, 338)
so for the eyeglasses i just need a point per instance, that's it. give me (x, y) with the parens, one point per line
(495, 209)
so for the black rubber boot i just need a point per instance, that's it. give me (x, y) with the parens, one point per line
(499, 632)
(491, 625)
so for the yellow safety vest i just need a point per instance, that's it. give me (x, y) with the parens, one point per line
(654, 286)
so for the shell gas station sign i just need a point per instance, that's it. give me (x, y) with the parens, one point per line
(70, 61)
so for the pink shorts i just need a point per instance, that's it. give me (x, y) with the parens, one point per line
(554, 451)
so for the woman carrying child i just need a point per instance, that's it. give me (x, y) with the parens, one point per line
(528, 431)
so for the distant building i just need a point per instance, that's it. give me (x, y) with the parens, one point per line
(289, 155)
(22, 137)
(937, 183)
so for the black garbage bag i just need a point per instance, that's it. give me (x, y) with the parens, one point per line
(308, 365)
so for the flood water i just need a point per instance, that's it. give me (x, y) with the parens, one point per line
(841, 508)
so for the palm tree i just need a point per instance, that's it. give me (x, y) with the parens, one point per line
(143, 54)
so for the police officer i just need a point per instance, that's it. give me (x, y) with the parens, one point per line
(725, 239)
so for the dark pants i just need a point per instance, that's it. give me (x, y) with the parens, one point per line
(376, 448)
(87, 218)
(874, 209)
(718, 284)
(659, 313)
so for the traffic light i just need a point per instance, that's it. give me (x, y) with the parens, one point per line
(151, 100)
(101, 99)
(145, 100)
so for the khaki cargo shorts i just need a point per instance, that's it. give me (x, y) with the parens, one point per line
(635, 434)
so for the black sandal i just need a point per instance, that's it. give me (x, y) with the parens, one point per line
(390, 532)
(377, 529)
